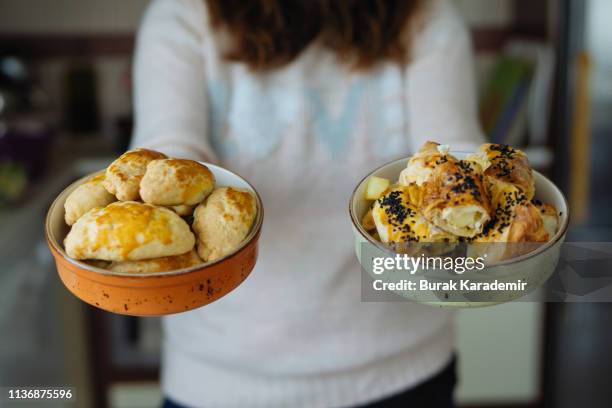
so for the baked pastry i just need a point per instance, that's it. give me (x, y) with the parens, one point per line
(124, 174)
(515, 229)
(485, 201)
(550, 217)
(507, 164)
(451, 191)
(367, 221)
(183, 210)
(454, 197)
(421, 165)
(397, 220)
(175, 182)
(515, 219)
(85, 197)
(128, 231)
(163, 264)
(223, 221)
(394, 216)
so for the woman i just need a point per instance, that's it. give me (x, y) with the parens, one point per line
(304, 98)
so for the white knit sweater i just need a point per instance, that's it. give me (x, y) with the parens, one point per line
(295, 333)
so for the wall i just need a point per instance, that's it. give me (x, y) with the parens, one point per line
(43, 16)
(70, 16)
(95, 17)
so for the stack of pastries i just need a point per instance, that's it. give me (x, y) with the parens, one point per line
(149, 213)
(488, 197)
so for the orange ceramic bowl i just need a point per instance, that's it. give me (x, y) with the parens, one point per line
(154, 294)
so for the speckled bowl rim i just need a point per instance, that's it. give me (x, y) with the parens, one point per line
(253, 234)
(558, 236)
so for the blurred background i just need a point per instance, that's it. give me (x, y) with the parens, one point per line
(544, 71)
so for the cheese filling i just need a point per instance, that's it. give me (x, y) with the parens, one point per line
(414, 173)
(469, 218)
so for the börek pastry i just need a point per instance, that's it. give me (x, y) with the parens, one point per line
(397, 220)
(454, 198)
(421, 165)
(550, 217)
(509, 165)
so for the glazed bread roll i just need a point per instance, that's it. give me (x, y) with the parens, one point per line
(183, 210)
(421, 165)
(174, 182)
(85, 197)
(128, 231)
(163, 264)
(223, 221)
(397, 220)
(124, 174)
(454, 198)
(510, 165)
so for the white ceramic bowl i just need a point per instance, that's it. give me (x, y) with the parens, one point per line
(534, 267)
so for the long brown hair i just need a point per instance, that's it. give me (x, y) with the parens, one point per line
(268, 34)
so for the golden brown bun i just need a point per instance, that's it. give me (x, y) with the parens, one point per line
(183, 210)
(223, 221)
(173, 182)
(509, 165)
(163, 264)
(128, 231)
(124, 174)
(454, 198)
(85, 197)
